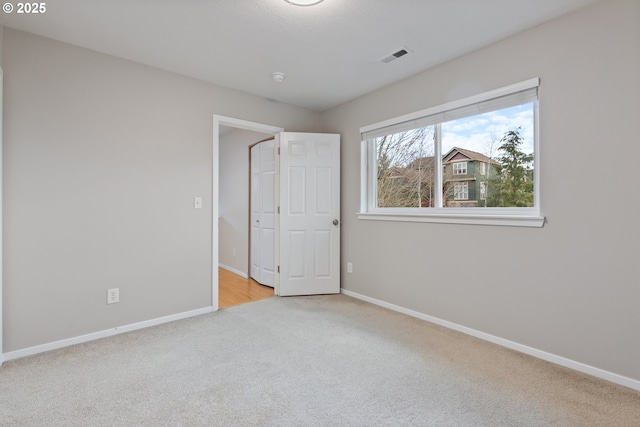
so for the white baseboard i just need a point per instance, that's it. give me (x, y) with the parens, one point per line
(102, 334)
(234, 271)
(558, 360)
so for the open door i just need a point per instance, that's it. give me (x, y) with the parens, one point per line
(262, 212)
(308, 230)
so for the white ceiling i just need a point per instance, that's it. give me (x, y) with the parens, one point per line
(329, 52)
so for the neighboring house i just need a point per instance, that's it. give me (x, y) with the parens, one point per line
(465, 182)
(466, 177)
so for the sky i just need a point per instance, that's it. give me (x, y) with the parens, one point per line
(477, 132)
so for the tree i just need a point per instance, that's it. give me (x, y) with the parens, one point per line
(487, 180)
(513, 185)
(405, 168)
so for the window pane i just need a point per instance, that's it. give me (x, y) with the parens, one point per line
(405, 168)
(488, 159)
(460, 191)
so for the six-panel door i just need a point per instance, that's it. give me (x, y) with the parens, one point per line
(309, 220)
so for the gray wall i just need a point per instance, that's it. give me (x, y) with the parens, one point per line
(570, 288)
(234, 198)
(102, 159)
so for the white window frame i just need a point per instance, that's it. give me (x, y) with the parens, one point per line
(477, 104)
(459, 168)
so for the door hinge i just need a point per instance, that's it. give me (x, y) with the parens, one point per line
(278, 269)
(278, 150)
(278, 209)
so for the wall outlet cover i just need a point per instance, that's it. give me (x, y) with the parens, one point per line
(113, 295)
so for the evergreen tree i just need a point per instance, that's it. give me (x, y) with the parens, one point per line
(513, 185)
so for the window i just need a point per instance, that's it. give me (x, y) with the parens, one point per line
(460, 168)
(469, 161)
(461, 191)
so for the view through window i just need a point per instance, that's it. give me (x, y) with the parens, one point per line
(486, 160)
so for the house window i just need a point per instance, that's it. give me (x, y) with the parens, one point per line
(461, 191)
(489, 138)
(460, 168)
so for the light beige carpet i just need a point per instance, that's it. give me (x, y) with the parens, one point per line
(304, 361)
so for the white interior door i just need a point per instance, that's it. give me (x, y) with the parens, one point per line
(262, 217)
(254, 214)
(308, 234)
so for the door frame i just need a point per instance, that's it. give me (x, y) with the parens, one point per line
(218, 121)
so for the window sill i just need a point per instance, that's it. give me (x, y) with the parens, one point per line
(496, 220)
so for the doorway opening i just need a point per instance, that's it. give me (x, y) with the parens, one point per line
(246, 275)
(230, 201)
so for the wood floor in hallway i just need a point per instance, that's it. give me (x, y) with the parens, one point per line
(235, 290)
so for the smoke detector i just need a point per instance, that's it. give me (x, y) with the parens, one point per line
(278, 77)
(303, 2)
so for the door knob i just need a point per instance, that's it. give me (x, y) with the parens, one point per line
(336, 222)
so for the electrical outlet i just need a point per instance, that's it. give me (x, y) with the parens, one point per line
(349, 267)
(113, 295)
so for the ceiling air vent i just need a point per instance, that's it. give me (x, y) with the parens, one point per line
(395, 55)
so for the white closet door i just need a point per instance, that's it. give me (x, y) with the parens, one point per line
(262, 216)
(254, 215)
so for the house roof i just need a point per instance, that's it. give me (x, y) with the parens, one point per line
(471, 155)
(421, 163)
